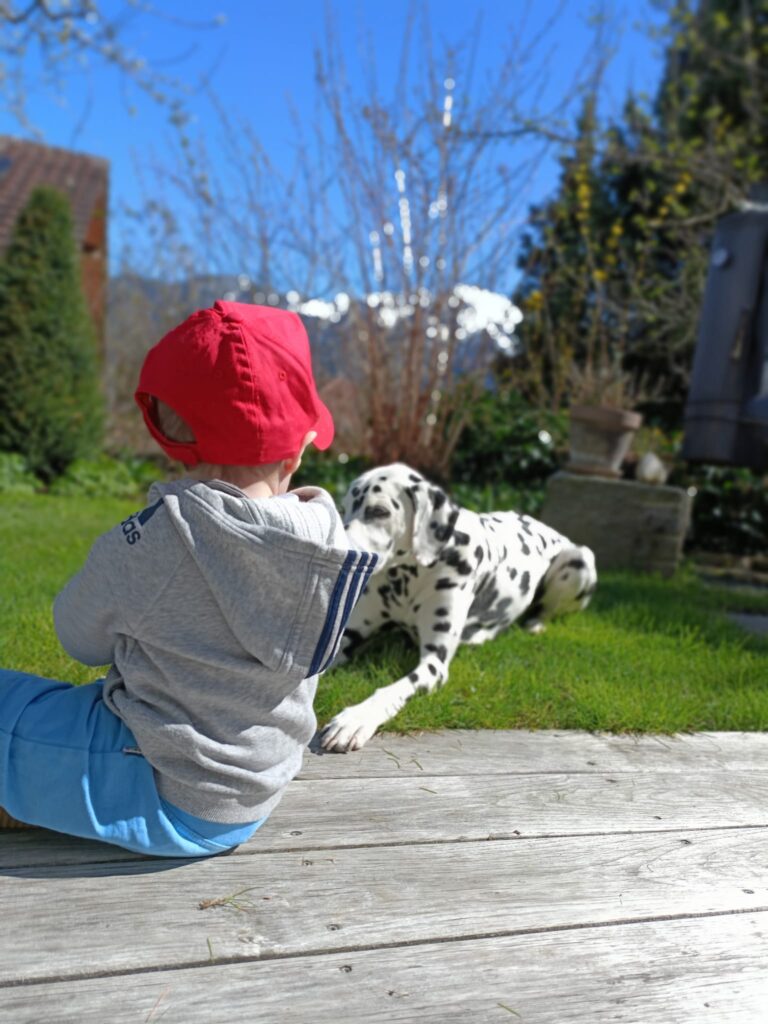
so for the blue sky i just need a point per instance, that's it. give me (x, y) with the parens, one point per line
(262, 56)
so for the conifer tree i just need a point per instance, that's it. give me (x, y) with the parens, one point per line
(51, 408)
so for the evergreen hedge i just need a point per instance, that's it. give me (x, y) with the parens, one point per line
(51, 408)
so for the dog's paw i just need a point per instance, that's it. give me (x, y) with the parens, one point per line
(349, 730)
(534, 627)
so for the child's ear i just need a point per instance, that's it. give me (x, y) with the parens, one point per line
(291, 465)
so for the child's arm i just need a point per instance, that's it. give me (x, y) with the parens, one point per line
(85, 612)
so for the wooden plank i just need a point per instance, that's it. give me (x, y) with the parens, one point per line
(713, 969)
(290, 903)
(504, 752)
(327, 813)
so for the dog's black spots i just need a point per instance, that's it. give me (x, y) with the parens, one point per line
(565, 575)
(416, 608)
(439, 650)
(412, 569)
(411, 492)
(470, 629)
(413, 676)
(441, 611)
(357, 503)
(414, 478)
(437, 497)
(512, 572)
(525, 583)
(432, 668)
(543, 540)
(355, 491)
(576, 563)
(526, 526)
(366, 622)
(483, 584)
(444, 583)
(479, 553)
(376, 489)
(460, 537)
(392, 572)
(400, 553)
(485, 598)
(384, 593)
(441, 627)
(385, 615)
(396, 504)
(497, 519)
(523, 546)
(398, 586)
(443, 533)
(454, 559)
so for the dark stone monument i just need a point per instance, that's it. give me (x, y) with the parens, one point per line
(628, 525)
(726, 417)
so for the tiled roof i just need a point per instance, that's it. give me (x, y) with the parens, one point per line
(26, 165)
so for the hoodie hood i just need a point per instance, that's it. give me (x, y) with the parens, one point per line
(274, 566)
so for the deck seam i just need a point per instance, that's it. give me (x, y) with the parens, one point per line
(496, 837)
(373, 947)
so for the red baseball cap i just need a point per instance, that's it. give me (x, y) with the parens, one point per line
(241, 377)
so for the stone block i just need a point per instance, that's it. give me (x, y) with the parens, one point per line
(628, 525)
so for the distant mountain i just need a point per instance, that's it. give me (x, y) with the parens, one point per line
(140, 310)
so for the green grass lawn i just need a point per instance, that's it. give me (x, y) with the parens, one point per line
(648, 655)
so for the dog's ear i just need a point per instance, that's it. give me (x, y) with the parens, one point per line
(434, 520)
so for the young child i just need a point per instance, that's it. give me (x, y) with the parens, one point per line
(216, 607)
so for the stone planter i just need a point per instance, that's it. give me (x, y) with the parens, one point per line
(600, 438)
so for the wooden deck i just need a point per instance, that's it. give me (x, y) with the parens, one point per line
(478, 877)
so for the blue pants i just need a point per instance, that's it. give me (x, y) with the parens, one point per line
(68, 763)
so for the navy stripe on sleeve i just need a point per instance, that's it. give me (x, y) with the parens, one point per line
(354, 574)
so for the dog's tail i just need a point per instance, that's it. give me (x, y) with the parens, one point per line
(569, 582)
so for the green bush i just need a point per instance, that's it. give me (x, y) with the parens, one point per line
(15, 477)
(730, 509)
(51, 410)
(323, 469)
(527, 500)
(107, 477)
(509, 442)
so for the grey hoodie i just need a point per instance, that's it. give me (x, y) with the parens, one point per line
(216, 612)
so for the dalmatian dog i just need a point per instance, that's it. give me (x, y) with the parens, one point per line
(447, 576)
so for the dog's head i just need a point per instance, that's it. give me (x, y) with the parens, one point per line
(396, 513)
